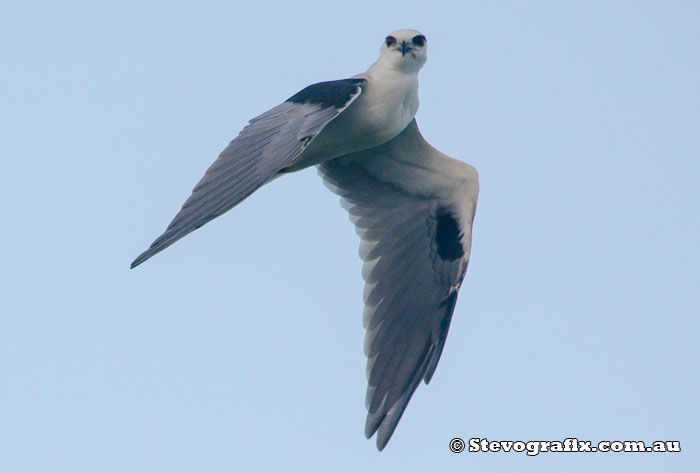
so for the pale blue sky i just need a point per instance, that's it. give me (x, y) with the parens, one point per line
(240, 347)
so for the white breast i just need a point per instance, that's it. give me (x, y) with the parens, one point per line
(387, 104)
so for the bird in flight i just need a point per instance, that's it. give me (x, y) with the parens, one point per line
(412, 207)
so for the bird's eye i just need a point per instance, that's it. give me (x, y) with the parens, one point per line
(390, 41)
(419, 40)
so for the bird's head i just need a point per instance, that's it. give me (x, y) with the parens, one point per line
(405, 49)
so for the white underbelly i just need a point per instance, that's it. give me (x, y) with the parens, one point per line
(378, 115)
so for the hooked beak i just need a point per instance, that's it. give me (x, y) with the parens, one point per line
(404, 48)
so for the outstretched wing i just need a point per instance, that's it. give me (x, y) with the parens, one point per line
(266, 145)
(413, 208)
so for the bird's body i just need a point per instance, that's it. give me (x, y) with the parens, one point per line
(412, 206)
(387, 104)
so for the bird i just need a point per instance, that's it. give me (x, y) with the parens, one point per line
(412, 206)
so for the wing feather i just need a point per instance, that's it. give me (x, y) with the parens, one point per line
(413, 208)
(266, 145)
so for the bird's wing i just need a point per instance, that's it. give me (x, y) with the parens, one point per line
(267, 144)
(413, 208)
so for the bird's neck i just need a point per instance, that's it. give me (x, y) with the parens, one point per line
(388, 66)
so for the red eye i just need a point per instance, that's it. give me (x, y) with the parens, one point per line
(390, 41)
(419, 40)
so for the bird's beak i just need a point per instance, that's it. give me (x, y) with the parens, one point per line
(404, 48)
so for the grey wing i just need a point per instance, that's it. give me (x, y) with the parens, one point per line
(413, 208)
(267, 144)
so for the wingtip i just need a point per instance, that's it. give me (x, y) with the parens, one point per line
(373, 426)
(381, 443)
(140, 259)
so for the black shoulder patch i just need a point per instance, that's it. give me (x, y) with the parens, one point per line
(334, 93)
(448, 236)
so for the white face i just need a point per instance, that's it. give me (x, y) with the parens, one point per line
(405, 49)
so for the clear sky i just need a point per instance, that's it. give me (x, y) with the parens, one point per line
(240, 347)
